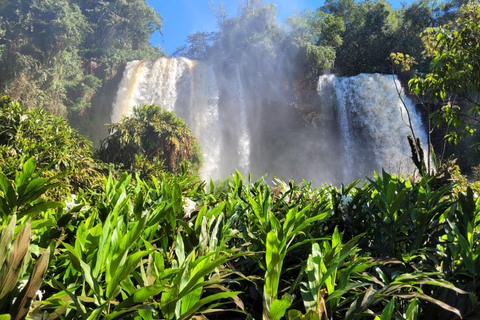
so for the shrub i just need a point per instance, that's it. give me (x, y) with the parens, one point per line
(149, 139)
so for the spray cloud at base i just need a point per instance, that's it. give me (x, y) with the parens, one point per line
(245, 122)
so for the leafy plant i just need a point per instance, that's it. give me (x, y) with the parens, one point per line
(27, 133)
(149, 138)
(20, 202)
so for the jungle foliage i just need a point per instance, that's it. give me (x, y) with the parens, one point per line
(167, 246)
(151, 139)
(55, 146)
(174, 248)
(171, 247)
(56, 54)
(453, 80)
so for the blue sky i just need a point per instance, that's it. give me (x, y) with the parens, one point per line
(184, 17)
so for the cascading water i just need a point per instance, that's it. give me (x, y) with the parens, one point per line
(148, 82)
(374, 123)
(246, 121)
(244, 139)
(190, 89)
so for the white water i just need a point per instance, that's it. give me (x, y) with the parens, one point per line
(190, 89)
(374, 123)
(244, 138)
(244, 123)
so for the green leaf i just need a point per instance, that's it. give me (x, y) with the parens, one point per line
(206, 300)
(125, 244)
(9, 196)
(412, 310)
(41, 207)
(180, 250)
(124, 272)
(140, 296)
(273, 263)
(199, 220)
(297, 315)
(22, 177)
(387, 312)
(6, 238)
(279, 307)
(168, 302)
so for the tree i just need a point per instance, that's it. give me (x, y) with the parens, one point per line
(151, 134)
(119, 32)
(40, 59)
(313, 38)
(453, 81)
(55, 54)
(198, 46)
(369, 35)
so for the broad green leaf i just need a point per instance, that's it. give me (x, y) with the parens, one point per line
(8, 195)
(144, 310)
(128, 240)
(199, 220)
(387, 312)
(279, 307)
(41, 207)
(206, 300)
(22, 177)
(168, 302)
(412, 310)
(180, 250)
(272, 258)
(297, 315)
(6, 238)
(206, 270)
(336, 238)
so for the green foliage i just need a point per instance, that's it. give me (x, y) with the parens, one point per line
(314, 38)
(54, 53)
(20, 204)
(391, 248)
(132, 257)
(119, 32)
(26, 133)
(41, 56)
(369, 36)
(151, 136)
(453, 80)
(198, 46)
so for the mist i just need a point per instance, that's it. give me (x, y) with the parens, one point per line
(254, 109)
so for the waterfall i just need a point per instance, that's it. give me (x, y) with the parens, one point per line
(168, 82)
(249, 122)
(244, 138)
(148, 82)
(373, 123)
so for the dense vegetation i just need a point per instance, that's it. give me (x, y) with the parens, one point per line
(151, 139)
(56, 54)
(348, 37)
(172, 248)
(79, 239)
(344, 36)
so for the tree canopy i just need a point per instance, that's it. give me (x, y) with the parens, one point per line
(453, 80)
(55, 54)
